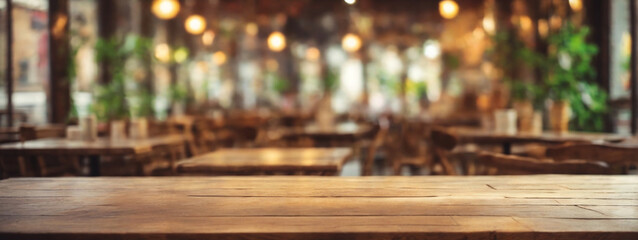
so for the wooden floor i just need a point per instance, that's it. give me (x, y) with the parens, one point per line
(482, 207)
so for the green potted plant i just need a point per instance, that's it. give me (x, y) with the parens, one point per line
(177, 94)
(569, 73)
(112, 103)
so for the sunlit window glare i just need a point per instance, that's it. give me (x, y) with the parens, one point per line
(431, 49)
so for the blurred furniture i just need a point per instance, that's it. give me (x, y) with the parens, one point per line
(512, 165)
(342, 134)
(377, 142)
(19, 165)
(443, 143)
(618, 155)
(258, 161)
(481, 136)
(407, 145)
(140, 150)
(549, 207)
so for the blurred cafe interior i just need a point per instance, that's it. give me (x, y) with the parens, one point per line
(353, 119)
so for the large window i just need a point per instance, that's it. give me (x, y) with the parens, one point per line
(30, 61)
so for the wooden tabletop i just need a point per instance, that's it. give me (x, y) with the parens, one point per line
(487, 136)
(254, 160)
(294, 207)
(101, 146)
(349, 129)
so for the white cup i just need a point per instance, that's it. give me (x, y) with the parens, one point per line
(505, 121)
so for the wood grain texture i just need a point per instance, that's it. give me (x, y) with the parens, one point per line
(258, 160)
(280, 207)
(477, 135)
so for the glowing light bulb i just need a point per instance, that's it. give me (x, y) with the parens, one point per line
(351, 42)
(489, 25)
(543, 28)
(312, 54)
(525, 23)
(163, 52)
(276, 41)
(180, 55)
(195, 24)
(208, 37)
(252, 29)
(165, 9)
(219, 58)
(576, 5)
(448, 9)
(350, 2)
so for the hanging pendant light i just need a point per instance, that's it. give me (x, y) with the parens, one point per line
(165, 9)
(351, 42)
(276, 41)
(195, 24)
(448, 9)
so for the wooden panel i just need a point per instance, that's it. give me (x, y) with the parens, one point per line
(267, 159)
(443, 207)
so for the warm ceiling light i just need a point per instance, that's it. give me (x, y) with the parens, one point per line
(252, 29)
(350, 2)
(276, 41)
(351, 42)
(525, 23)
(219, 58)
(165, 9)
(448, 9)
(312, 54)
(576, 5)
(195, 24)
(543, 28)
(163, 52)
(180, 55)
(488, 24)
(208, 37)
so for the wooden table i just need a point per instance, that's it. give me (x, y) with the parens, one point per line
(308, 161)
(481, 136)
(92, 149)
(349, 132)
(548, 207)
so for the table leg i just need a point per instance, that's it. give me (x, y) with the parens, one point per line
(507, 148)
(94, 165)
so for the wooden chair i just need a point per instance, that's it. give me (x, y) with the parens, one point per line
(617, 156)
(48, 165)
(444, 142)
(513, 165)
(374, 146)
(408, 147)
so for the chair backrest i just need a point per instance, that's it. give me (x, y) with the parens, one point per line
(377, 142)
(443, 139)
(509, 164)
(611, 154)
